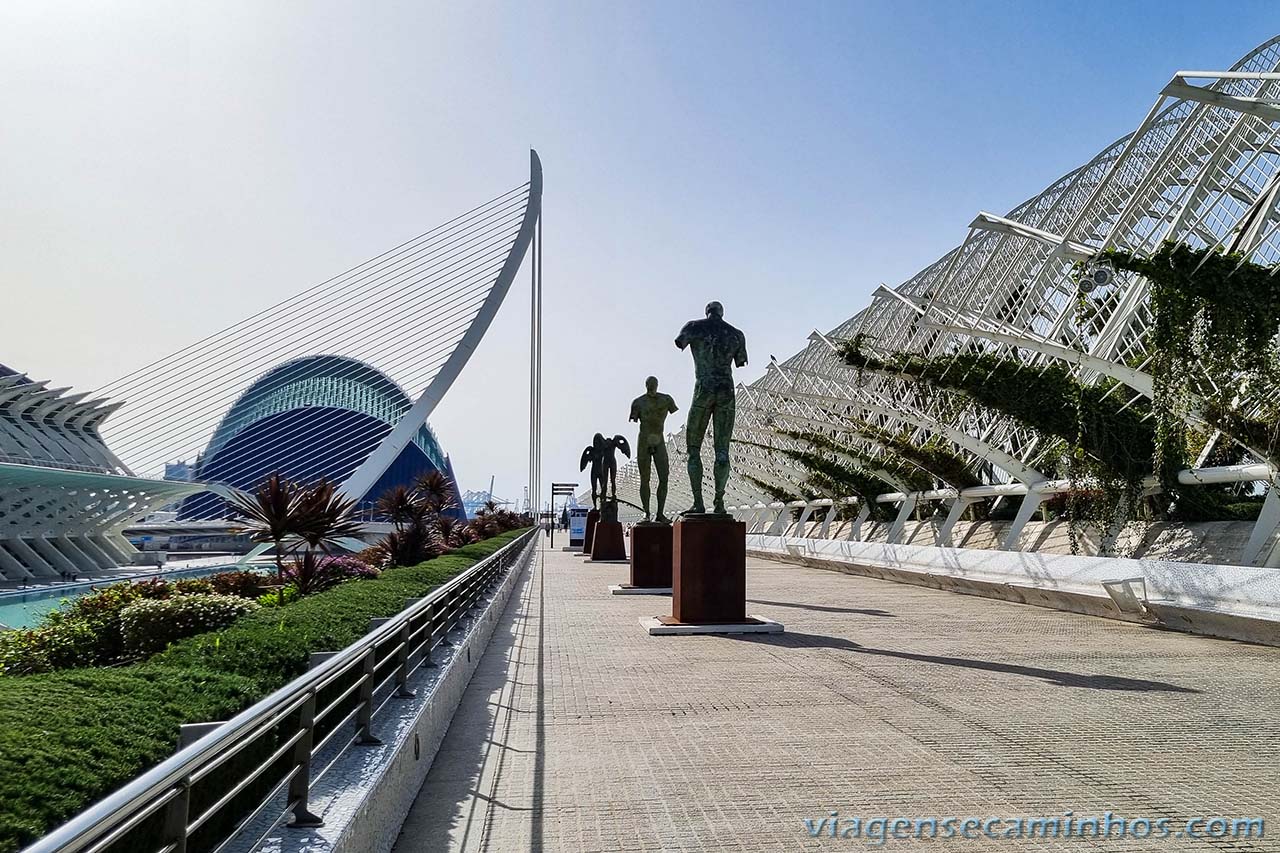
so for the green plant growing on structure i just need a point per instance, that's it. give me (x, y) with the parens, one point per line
(829, 475)
(1115, 438)
(1109, 440)
(1212, 345)
(910, 475)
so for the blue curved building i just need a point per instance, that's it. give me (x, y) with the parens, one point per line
(313, 418)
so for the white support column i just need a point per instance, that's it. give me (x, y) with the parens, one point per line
(779, 525)
(10, 568)
(43, 558)
(119, 556)
(855, 529)
(825, 530)
(82, 561)
(101, 558)
(904, 512)
(804, 519)
(1261, 547)
(123, 545)
(953, 515)
(1030, 503)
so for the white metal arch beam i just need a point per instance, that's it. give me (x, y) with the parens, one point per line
(364, 477)
(1015, 467)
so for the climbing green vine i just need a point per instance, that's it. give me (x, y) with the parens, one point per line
(909, 475)
(1213, 358)
(828, 474)
(1113, 437)
(1104, 442)
(1215, 317)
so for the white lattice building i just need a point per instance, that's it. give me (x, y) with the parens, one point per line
(63, 493)
(1202, 168)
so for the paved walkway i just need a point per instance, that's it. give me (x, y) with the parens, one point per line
(581, 733)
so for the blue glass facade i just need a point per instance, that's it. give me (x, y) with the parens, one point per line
(308, 419)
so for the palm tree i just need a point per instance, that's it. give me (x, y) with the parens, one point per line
(435, 491)
(324, 517)
(397, 504)
(270, 515)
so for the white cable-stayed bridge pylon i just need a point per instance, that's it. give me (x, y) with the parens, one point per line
(384, 341)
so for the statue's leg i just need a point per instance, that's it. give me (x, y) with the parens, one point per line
(643, 463)
(695, 428)
(659, 462)
(723, 427)
(613, 479)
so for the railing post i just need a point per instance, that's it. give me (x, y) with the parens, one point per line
(300, 784)
(176, 815)
(402, 659)
(364, 716)
(445, 628)
(430, 640)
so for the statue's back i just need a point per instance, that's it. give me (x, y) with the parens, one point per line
(716, 347)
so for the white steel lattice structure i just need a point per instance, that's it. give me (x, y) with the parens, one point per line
(1203, 168)
(365, 357)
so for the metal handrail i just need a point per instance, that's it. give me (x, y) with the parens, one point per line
(167, 786)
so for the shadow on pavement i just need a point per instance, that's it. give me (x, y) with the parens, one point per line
(1057, 677)
(822, 608)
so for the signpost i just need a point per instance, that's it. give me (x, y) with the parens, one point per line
(566, 489)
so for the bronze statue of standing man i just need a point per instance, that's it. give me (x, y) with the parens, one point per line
(717, 348)
(651, 410)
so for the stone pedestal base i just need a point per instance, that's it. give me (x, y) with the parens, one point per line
(609, 542)
(651, 556)
(709, 570)
(751, 625)
(628, 589)
(593, 518)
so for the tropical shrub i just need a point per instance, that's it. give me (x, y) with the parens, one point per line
(310, 574)
(193, 586)
(274, 645)
(150, 626)
(88, 631)
(240, 583)
(286, 594)
(99, 612)
(57, 646)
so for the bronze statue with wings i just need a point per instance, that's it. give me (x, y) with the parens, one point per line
(600, 455)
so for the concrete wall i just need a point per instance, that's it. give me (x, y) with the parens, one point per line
(1203, 542)
(1236, 602)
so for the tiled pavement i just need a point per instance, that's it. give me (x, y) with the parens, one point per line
(581, 733)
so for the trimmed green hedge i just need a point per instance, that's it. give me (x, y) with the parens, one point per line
(69, 738)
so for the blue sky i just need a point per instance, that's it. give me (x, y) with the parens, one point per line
(167, 167)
